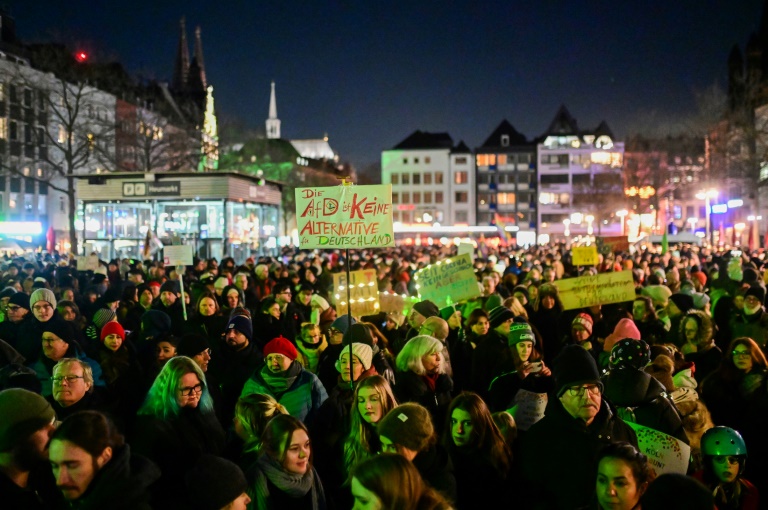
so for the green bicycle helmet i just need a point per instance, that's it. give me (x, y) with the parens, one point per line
(722, 441)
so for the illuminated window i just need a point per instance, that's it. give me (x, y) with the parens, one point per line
(416, 197)
(554, 198)
(438, 177)
(406, 197)
(427, 177)
(555, 159)
(394, 178)
(406, 179)
(13, 197)
(506, 198)
(461, 177)
(438, 197)
(502, 158)
(416, 178)
(62, 138)
(427, 197)
(3, 128)
(461, 197)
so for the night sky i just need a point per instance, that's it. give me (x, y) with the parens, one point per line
(370, 73)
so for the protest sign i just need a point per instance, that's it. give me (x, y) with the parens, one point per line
(600, 289)
(345, 217)
(666, 454)
(610, 244)
(584, 255)
(465, 247)
(528, 409)
(363, 292)
(80, 262)
(92, 263)
(447, 281)
(391, 303)
(180, 255)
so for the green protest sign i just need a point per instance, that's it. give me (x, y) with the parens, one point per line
(448, 281)
(345, 217)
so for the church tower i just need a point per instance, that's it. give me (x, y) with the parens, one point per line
(273, 123)
(181, 67)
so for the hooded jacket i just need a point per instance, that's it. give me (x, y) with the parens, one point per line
(557, 461)
(639, 394)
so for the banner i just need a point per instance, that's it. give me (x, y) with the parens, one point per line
(178, 255)
(448, 281)
(391, 303)
(666, 454)
(610, 244)
(584, 255)
(528, 409)
(600, 289)
(363, 292)
(345, 217)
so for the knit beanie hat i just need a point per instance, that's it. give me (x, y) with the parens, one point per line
(320, 302)
(7, 292)
(630, 353)
(584, 320)
(213, 483)
(342, 323)
(427, 308)
(701, 276)
(42, 295)
(408, 425)
(112, 328)
(19, 299)
(499, 315)
(192, 344)
(155, 323)
(756, 291)
(363, 352)
(60, 328)
(447, 312)
(242, 324)
(111, 295)
(23, 413)
(522, 289)
(626, 328)
(683, 301)
(281, 345)
(520, 332)
(574, 366)
(170, 286)
(221, 282)
(103, 316)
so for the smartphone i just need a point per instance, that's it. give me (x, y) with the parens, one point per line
(534, 367)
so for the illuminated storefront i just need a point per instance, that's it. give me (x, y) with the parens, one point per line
(220, 214)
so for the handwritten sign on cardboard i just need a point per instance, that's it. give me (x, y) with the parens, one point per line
(584, 255)
(363, 292)
(345, 217)
(448, 281)
(600, 289)
(178, 255)
(666, 454)
(528, 409)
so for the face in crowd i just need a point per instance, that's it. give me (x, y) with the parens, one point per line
(616, 486)
(43, 311)
(190, 390)
(296, 455)
(582, 401)
(461, 427)
(369, 405)
(357, 367)
(69, 384)
(164, 352)
(168, 298)
(278, 363)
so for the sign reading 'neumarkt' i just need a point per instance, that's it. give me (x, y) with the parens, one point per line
(151, 189)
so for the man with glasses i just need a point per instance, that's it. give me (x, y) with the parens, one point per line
(556, 465)
(752, 322)
(16, 314)
(5, 295)
(290, 316)
(73, 388)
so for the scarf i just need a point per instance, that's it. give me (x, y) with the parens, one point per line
(280, 382)
(293, 485)
(430, 381)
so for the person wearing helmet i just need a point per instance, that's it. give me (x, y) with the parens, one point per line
(725, 455)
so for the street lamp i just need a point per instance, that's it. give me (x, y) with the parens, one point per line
(706, 196)
(567, 224)
(693, 222)
(622, 214)
(589, 219)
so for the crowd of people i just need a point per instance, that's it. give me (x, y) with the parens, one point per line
(239, 386)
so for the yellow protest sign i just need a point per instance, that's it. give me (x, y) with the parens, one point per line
(448, 281)
(584, 255)
(600, 289)
(363, 291)
(345, 217)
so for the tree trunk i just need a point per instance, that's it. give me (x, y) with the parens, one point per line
(72, 212)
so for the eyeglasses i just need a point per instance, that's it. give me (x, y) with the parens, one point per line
(12, 308)
(740, 354)
(51, 340)
(722, 459)
(334, 331)
(274, 357)
(188, 392)
(69, 378)
(578, 391)
(40, 308)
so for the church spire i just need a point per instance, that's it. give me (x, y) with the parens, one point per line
(198, 55)
(181, 68)
(273, 123)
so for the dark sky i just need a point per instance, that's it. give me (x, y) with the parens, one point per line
(370, 73)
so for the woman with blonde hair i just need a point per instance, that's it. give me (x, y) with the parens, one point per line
(421, 377)
(176, 425)
(252, 412)
(390, 482)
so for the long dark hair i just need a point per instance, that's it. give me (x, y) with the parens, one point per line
(277, 437)
(728, 370)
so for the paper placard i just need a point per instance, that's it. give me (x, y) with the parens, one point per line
(363, 291)
(448, 281)
(345, 217)
(177, 255)
(91, 262)
(466, 248)
(528, 409)
(666, 454)
(81, 261)
(584, 255)
(600, 289)
(391, 303)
